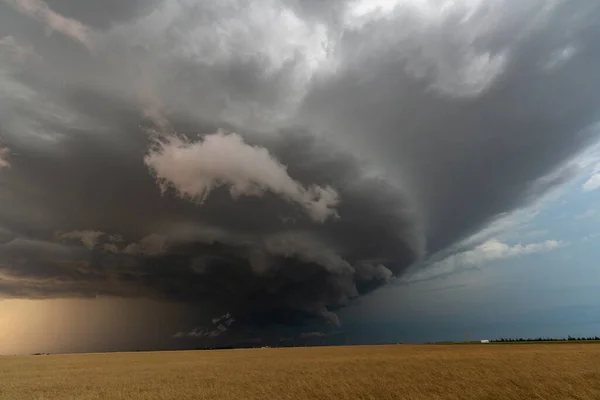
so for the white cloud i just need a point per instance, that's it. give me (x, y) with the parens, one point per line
(592, 183)
(491, 250)
(495, 250)
(195, 169)
(503, 226)
(421, 31)
(561, 56)
(39, 10)
(589, 165)
(265, 31)
(534, 234)
(587, 215)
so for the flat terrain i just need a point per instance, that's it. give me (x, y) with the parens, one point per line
(538, 371)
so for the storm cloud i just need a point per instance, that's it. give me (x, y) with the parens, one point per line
(274, 160)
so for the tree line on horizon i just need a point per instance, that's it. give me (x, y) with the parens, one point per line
(541, 339)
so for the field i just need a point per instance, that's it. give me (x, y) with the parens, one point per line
(537, 371)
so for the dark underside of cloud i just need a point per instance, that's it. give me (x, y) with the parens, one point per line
(259, 174)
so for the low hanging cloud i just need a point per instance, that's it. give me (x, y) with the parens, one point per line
(493, 250)
(220, 325)
(490, 251)
(371, 138)
(151, 245)
(195, 169)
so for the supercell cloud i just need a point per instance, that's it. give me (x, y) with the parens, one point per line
(273, 160)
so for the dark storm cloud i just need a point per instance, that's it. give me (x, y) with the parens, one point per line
(240, 253)
(366, 138)
(468, 158)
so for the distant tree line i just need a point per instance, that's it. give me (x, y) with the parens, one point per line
(541, 339)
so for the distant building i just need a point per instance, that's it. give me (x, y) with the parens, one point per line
(485, 341)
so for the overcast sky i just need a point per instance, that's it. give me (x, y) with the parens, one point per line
(182, 172)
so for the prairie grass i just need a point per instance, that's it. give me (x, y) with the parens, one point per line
(537, 371)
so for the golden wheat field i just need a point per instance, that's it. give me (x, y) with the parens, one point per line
(537, 371)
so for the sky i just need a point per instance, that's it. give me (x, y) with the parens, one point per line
(183, 173)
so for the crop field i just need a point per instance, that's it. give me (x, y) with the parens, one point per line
(537, 371)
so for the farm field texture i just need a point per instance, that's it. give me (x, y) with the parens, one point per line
(537, 371)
